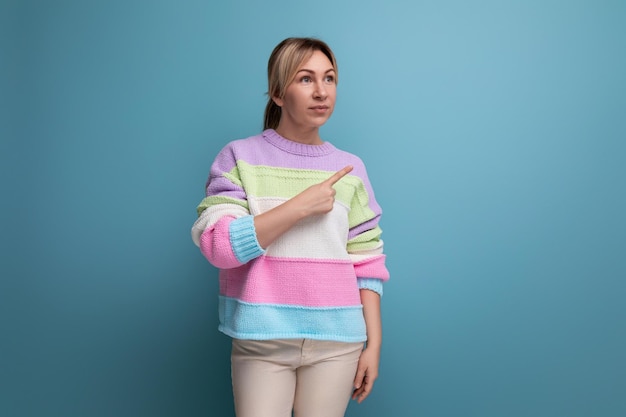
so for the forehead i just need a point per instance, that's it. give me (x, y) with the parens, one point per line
(317, 61)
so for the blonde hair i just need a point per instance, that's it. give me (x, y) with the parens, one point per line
(282, 67)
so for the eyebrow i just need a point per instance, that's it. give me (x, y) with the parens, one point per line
(313, 72)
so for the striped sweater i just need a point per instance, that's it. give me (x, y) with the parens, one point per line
(305, 284)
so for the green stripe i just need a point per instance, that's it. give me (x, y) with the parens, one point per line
(360, 211)
(234, 176)
(365, 241)
(216, 199)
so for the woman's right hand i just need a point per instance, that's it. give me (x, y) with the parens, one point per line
(319, 198)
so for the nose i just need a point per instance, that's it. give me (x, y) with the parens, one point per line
(320, 91)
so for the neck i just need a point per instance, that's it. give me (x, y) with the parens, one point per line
(306, 137)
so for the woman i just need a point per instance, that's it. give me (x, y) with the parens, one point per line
(292, 224)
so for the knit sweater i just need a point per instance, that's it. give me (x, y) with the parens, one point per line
(306, 283)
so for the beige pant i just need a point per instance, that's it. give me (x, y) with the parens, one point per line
(313, 377)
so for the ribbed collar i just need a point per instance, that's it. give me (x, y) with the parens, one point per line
(297, 148)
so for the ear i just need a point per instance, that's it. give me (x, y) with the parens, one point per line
(278, 101)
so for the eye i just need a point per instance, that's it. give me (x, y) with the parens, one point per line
(329, 79)
(306, 79)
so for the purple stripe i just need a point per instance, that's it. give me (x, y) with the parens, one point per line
(224, 187)
(363, 227)
(272, 150)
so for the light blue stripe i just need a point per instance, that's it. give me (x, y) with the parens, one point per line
(269, 321)
(243, 239)
(372, 284)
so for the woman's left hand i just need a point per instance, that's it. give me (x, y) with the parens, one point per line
(366, 373)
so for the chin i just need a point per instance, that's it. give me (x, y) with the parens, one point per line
(321, 122)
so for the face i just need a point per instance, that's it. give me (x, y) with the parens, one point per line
(310, 98)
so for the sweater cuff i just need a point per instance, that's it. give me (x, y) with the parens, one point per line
(372, 284)
(243, 239)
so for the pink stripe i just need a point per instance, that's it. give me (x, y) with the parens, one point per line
(215, 244)
(303, 282)
(372, 268)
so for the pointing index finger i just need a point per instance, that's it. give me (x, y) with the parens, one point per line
(339, 175)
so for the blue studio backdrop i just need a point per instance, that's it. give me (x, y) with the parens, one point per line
(495, 137)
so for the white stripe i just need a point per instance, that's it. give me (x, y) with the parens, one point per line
(318, 237)
(366, 254)
(211, 215)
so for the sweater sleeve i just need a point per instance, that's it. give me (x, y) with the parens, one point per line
(224, 230)
(364, 243)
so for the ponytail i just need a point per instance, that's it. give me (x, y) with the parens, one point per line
(272, 115)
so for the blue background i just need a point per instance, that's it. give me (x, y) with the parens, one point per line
(494, 134)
